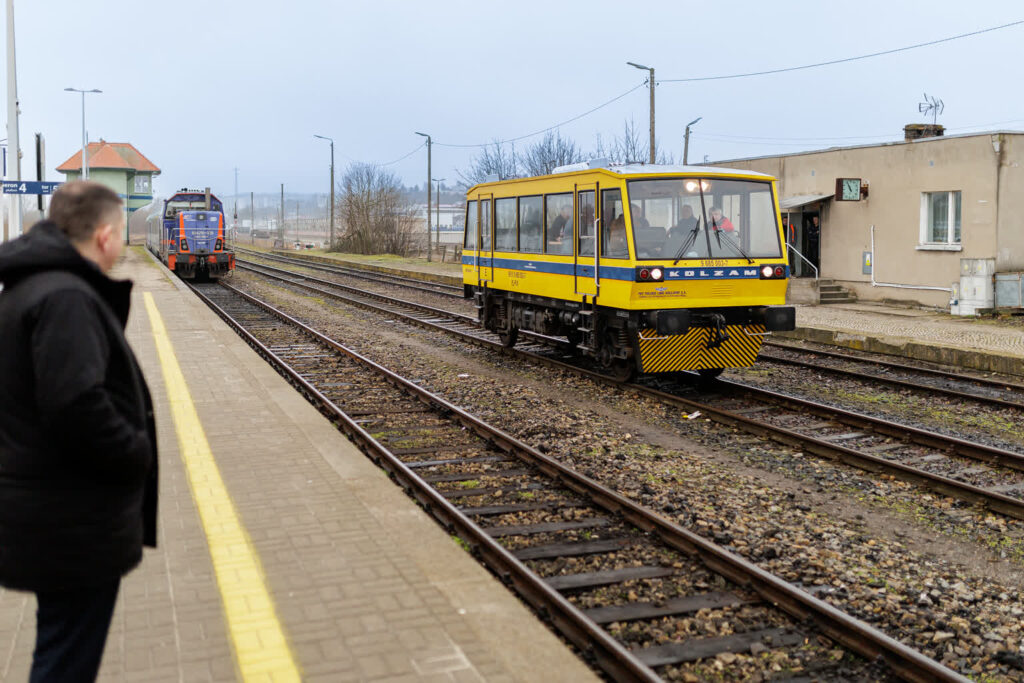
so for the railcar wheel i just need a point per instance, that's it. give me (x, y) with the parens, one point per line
(708, 374)
(622, 370)
(508, 339)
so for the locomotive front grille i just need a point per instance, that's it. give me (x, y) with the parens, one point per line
(690, 351)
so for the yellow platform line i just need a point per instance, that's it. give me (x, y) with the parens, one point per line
(261, 649)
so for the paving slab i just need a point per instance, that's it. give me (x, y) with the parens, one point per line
(366, 586)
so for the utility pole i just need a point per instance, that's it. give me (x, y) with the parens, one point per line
(280, 230)
(686, 139)
(437, 241)
(235, 226)
(428, 194)
(650, 85)
(40, 165)
(330, 243)
(14, 214)
(252, 218)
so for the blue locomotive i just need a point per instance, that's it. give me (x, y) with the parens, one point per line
(188, 235)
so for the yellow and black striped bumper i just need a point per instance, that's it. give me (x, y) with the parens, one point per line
(690, 351)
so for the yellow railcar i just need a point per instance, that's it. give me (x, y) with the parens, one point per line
(690, 269)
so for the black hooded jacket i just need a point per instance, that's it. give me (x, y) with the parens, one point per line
(77, 438)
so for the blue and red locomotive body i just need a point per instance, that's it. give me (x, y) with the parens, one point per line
(188, 235)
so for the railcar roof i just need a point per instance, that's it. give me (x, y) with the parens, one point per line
(633, 170)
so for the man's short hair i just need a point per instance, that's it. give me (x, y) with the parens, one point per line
(79, 207)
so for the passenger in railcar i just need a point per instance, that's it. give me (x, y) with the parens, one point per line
(720, 222)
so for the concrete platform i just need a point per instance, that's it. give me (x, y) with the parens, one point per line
(363, 585)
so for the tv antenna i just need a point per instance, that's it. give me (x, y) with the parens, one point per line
(931, 105)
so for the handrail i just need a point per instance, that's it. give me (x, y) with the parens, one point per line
(797, 252)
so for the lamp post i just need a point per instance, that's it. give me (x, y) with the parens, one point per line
(330, 242)
(85, 162)
(428, 194)
(437, 240)
(650, 85)
(686, 138)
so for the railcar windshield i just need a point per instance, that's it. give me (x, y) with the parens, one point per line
(703, 218)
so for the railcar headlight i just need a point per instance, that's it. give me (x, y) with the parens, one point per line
(656, 274)
(184, 244)
(767, 271)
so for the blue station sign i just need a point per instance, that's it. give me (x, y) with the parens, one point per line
(29, 187)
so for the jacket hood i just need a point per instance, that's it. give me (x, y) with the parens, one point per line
(46, 248)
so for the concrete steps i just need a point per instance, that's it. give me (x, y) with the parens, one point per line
(831, 293)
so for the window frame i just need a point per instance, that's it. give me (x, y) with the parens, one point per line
(471, 205)
(515, 224)
(519, 226)
(954, 205)
(572, 211)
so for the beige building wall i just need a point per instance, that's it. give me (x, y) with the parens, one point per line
(992, 209)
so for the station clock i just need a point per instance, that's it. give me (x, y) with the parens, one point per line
(848, 189)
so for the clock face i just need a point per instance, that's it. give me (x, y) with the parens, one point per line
(851, 189)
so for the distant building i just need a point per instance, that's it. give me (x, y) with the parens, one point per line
(906, 214)
(119, 166)
(449, 221)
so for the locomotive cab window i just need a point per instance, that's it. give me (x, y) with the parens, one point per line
(705, 218)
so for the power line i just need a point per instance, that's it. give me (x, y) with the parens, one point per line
(841, 61)
(386, 163)
(549, 128)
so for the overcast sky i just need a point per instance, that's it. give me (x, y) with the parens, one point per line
(203, 87)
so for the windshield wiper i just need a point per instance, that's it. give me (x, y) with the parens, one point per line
(735, 245)
(689, 242)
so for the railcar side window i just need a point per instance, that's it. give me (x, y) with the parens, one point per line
(585, 211)
(485, 225)
(530, 229)
(613, 225)
(472, 223)
(505, 224)
(559, 223)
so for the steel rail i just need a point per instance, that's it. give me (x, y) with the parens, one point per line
(396, 280)
(834, 623)
(934, 372)
(955, 393)
(994, 501)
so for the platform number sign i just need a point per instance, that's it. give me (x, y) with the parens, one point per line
(29, 187)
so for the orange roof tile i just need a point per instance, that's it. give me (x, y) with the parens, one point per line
(105, 154)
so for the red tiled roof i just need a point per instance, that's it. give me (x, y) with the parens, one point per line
(105, 154)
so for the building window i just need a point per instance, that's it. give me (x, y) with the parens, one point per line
(940, 218)
(141, 183)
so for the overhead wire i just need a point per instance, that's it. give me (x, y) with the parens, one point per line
(843, 60)
(549, 128)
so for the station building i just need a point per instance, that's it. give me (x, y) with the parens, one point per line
(895, 219)
(119, 166)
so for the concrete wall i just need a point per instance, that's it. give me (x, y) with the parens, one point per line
(897, 175)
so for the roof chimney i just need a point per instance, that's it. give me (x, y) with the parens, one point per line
(916, 131)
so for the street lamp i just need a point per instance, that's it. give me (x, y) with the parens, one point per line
(438, 238)
(85, 162)
(428, 194)
(686, 138)
(650, 85)
(330, 242)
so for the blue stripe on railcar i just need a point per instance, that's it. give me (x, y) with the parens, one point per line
(618, 272)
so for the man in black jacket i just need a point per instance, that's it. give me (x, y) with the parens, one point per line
(77, 440)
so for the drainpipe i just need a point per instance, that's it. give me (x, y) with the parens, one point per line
(874, 264)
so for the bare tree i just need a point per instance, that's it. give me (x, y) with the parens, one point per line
(552, 150)
(492, 160)
(375, 215)
(631, 147)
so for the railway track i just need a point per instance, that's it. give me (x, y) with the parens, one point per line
(969, 472)
(569, 546)
(439, 288)
(1001, 394)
